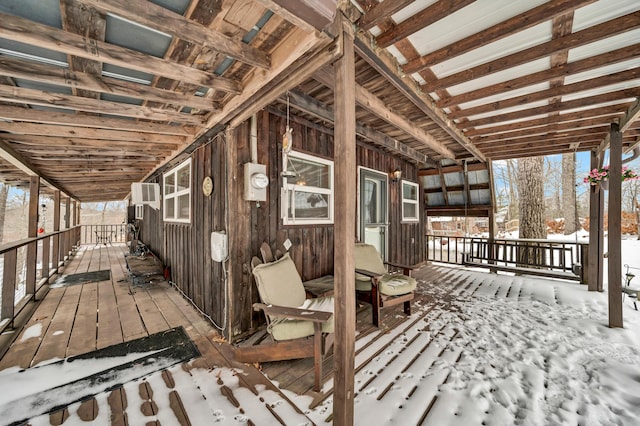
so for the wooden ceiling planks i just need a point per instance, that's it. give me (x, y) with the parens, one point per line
(222, 54)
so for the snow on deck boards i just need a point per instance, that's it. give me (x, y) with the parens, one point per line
(479, 348)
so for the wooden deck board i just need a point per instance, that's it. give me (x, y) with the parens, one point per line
(81, 318)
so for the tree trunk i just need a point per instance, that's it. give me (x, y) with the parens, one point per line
(4, 192)
(531, 208)
(513, 199)
(569, 193)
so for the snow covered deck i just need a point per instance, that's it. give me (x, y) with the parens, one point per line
(478, 349)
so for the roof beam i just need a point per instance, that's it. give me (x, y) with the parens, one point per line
(499, 31)
(105, 123)
(589, 35)
(55, 142)
(373, 104)
(60, 100)
(26, 31)
(536, 124)
(89, 133)
(632, 114)
(51, 74)
(12, 156)
(324, 112)
(316, 14)
(609, 58)
(382, 62)
(161, 19)
(381, 11)
(561, 106)
(422, 19)
(553, 92)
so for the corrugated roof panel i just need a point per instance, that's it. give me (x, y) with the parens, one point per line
(479, 176)
(456, 198)
(480, 197)
(32, 53)
(601, 11)
(479, 15)
(431, 182)
(124, 33)
(517, 42)
(435, 199)
(454, 179)
(177, 6)
(46, 12)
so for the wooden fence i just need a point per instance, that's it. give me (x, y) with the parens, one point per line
(27, 265)
(558, 259)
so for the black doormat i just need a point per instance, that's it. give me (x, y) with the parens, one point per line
(48, 388)
(81, 278)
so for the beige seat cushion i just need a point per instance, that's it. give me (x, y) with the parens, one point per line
(287, 329)
(279, 284)
(367, 257)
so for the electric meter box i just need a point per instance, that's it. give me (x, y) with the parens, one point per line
(256, 182)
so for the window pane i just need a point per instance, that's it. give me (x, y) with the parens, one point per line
(184, 179)
(170, 183)
(169, 210)
(370, 202)
(410, 211)
(409, 192)
(183, 206)
(309, 173)
(310, 205)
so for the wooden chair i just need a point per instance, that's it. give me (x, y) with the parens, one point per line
(298, 326)
(375, 285)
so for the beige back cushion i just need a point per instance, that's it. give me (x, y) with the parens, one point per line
(279, 283)
(365, 256)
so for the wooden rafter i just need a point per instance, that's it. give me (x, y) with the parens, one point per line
(381, 11)
(29, 32)
(499, 31)
(164, 20)
(574, 40)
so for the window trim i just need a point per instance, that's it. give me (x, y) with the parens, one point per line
(176, 194)
(404, 201)
(287, 187)
(139, 209)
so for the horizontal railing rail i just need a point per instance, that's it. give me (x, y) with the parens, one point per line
(26, 265)
(104, 234)
(555, 258)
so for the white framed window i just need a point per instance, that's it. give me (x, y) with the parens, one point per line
(176, 187)
(307, 192)
(139, 211)
(410, 201)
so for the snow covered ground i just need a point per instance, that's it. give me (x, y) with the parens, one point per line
(494, 350)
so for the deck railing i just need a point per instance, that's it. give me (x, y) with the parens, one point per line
(104, 234)
(26, 265)
(563, 259)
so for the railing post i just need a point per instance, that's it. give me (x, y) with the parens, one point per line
(56, 227)
(9, 284)
(46, 255)
(32, 232)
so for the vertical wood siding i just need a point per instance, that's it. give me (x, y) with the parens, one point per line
(185, 248)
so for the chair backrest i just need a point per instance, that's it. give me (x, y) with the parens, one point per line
(265, 252)
(279, 283)
(365, 256)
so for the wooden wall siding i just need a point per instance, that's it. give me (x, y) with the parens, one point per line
(312, 245)
(185, 248)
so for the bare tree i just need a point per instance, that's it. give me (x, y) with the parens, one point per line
(569, 193)
(531, 207)
(513, 196)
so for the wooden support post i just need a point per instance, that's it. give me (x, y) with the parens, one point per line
(615, 228)
(66, 239)
(10, 259)
(32, 232)
(46, 256)
(74, 210)
(595, 273)
(233, 269)
(345, 218)
(56, 227)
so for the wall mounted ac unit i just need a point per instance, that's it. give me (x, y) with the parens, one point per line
(146, 193)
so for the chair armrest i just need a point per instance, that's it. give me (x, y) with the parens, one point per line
(367, 273)
(406, 269)
(295, 313)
